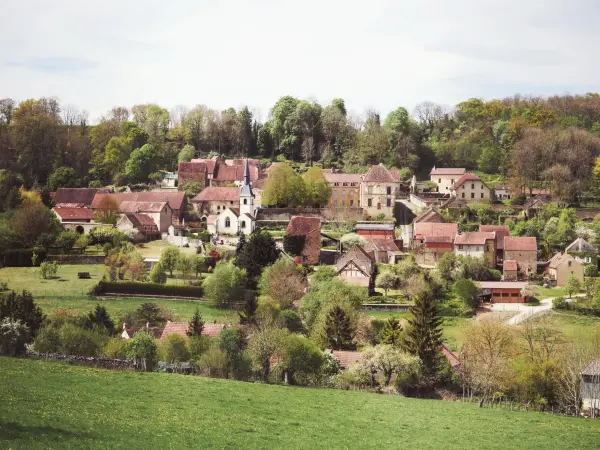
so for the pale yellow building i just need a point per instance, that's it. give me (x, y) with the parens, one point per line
(446, 177)
(378, 192)
(562, 266)
(471, 189)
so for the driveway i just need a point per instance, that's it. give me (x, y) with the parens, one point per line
(525, 312)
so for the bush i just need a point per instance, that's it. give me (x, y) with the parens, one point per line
(114, 348)
(225, 285)
(198, 345)
(291, 320)
(66, 240)
(173, 349)
(22, 257)
(47, 340)
(146, 289)
(49, 269)
(213, 362)
(13, 337)
(143, 350)
(559, 303)
(81, 342)
(590, 270)
(158, 274)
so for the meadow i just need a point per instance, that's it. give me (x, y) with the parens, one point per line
(50, 404)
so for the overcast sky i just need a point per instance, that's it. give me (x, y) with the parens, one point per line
(377, 54)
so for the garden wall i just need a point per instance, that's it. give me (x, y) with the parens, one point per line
(100, 363)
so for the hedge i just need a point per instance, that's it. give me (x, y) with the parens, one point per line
(149, 289)
(21, 257)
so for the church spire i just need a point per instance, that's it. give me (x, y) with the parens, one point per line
(247, 174)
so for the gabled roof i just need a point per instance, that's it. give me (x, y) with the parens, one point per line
(84, 196)
(561, 258)
(141, 207)
(537, 201)
(428, 215)
(235, 173)
(520, 244)
(592, 369)
(381, 245)
(510, 264)
(74, 213)
(210, 164)
(303, 226)
(424, 229)
(581, 245)
(218, 194)
(451, 357)
(501, 232)
(469, 176)
(339, 177)
(180, 328)
(364, 260)
(378, 173)
(192, 167)
(140, 220)
(174, 199)
(448, 171)
(474, 238)
(346, 358)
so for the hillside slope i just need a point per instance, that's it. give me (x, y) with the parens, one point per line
(45, 404)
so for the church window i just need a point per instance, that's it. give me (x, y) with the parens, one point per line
(227, 222)
(243, 224)
(245, 201)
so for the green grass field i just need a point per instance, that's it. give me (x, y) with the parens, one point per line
(51, 405)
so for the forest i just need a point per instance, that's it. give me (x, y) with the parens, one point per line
(531, 142)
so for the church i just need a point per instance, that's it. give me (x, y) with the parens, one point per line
(233, 219)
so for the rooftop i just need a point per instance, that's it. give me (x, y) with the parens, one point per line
(76, 195)
(474, 237)
(520, 244)
(469, 176)
(501, 232)
(502, 284)
(303, 225)
(448, 171)
(137, 207)
(424, 229)
(341, 177)
(592, 369)
(180, 328)
(581, 245)
(218, 194)
(388, 226)
(379, 173)
(74, 213)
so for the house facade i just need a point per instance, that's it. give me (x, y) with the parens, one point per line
(501, 232)
(509, 270)
(477, 244)
(176, 200)
(192, 172)
(214, 200)
(357, 266)
(375, 230)
(345, 189)
(446, 177)
(140, 226)
(503, 291)
(471, 189)
(80, 220)
(310, 229)
(523, 250)
(561, 266)
(160, 212)
(378, 191)
(582, 251)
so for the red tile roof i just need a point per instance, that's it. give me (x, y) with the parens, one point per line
(520, 244)
(180, 328)
(510, 264)
(211, 164)
(77, 195)
(439, 239)
(448, 171)
(342, 177)
(174, 199)
(382, 245)
(474, 237)
(452, 358)
(218, 194)
(379, 173)
(346, 358)
(303, 226)
(141, 220)
(424, 229)
(235, 173)
(141, 207)
(74, 213)
(192, 167)
(466, 177)
(501, 232)
(395, 174)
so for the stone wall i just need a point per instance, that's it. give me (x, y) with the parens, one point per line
(99, 363)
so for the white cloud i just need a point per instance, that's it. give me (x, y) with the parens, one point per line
(380, 54)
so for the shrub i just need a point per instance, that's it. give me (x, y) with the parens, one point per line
(468, 292)
(13, 336)
(590, 270)
(81, 342)
(291, 320)
(158, 274)
(143, 350)
(66, 240)
(213, 362)
(49, 269)
(284, 282)
(22, 307)
(23, 257)
(47, 340)
(173, 349)
(559, 303)
(197, 346)
(114, 348)
(324, 273)
(293, 244)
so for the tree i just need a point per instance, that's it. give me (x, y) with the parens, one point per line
(247, 314)
(192, 188)
(386, 280)
(34, 223)
(391, 333)
(185, 265)
(225, 285)
(573, 285)
(232, 342)
(339, 332)
(107, 210)
(143, 350)
(62, 177)
(141, 163)
(318, 190)
(196, 325)
(66, 240)
(100, 317)
(151, 314)
(158, 274)
(169, 258)
(447, 266)
(263, 345)
(173, 349)
(389, 361)
(186, 154)
(284, 188)
(13, 337)
(21, 307)
(468, 292)
(284, 282)
(259, 252)
(300, 359)
(423, 337)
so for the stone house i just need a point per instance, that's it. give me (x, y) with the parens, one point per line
(421, 230)
(310, 229)
(80, 220)
(378, 191)
(431, 240)
(477, 244)
(357, 266)
(523, 250)
(345, 189)
(509, 270)
(192, 172)
(176, 200)
(471, 189)
(214, 200)
(561, 266)
(141, 226)
(446, 177)
(385, 251)
(582, 251)
(160, 212)
(501, 232)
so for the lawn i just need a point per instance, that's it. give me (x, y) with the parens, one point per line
(153, 249)
(52, 405)
(67, 291)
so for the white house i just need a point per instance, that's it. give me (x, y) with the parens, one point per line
(446, 177)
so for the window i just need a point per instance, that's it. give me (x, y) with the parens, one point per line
(218, 207)
(472, 194)
(243, 224)
(460, 247)
(463, 195)
(351, 202)
(231, 203)
(472, 185)
(569, 263)
(482, 195)
(505, 294)
(452, 181)
(335, 193)
(369, 202)
(439, 180)
(344, 193)
(344, 184)
(388, 190)
(227, 222)
(388, 202)
(245, 201)
(378, 205)
(514, 294)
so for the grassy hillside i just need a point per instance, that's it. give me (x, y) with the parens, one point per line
(46, 404)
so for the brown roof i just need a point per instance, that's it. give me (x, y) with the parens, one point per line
(236, 211)
(560, 258)
(501, 232)
(474, 237)
(74, 213)
(395, 174)
(70, 205)
(218, 194)
(140, 220)
(341, 177)
(77, 195)
(424, 229)
(303, 225)
(137, 207)
(448, 171)
(466, 177)
(379, 173)
(382, 245)
(210, 164)
(502, 284)
(346, 358)
(174, 199)
(520, 244)
(452, 358)
(359, 256)
(510, 264)
(192, 167)
(180, 328)
(235, 173)
(428, 215)
(592, 369)
(439, 239)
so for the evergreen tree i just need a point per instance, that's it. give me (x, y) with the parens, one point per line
(423, 336)
(99, 316)
(259, 252)
(391, 333)
(196, 325)
(248, 312)
(22, 307)
(240, 245)
(338, 329)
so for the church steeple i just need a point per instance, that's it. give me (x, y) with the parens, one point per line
(247, 174)
(246, 195)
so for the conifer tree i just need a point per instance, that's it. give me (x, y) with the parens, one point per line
(99, 316)
(196, 325)
(338, 329)
(423, 336)
(391, 333)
